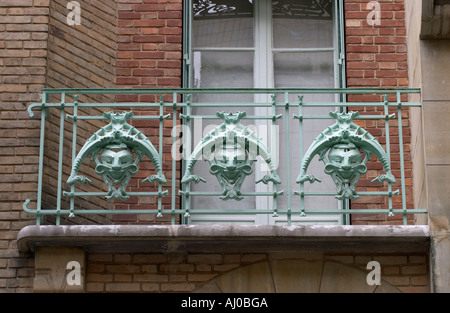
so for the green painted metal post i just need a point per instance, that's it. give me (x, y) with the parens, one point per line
(187, 186)
(302, 185)
(288, 152)
(174, 153)
(74, 149)
(60, 159)
(161, 136)
(41, 158)
(388, 148)
(275, 196)
(402, 156)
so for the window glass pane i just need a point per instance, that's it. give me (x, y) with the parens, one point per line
(306, 9)
(223, 69)
(228, 24)
(302, 24)
(304, 70)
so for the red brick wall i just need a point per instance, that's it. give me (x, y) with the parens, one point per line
(180, 272)
(149, 55)
(149, 44)
(377, 58)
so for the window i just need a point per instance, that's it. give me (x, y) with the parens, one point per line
(263, 44)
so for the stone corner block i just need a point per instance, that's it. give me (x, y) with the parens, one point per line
(59, 269)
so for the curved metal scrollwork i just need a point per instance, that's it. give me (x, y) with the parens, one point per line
(231, 148)
(346, 144)
(113, 148)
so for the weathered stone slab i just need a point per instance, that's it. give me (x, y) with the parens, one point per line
(255, 278)
(59, 269)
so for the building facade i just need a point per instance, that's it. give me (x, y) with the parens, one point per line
(275, 69)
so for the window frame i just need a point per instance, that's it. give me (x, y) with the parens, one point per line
(339, 37)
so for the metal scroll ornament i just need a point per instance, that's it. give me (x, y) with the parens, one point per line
(231, 148)
(305, 9)
(113, 148)
(347, 144)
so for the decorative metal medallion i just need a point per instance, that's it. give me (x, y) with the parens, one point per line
(231, 148)
(346, 144)
(205, 9)
(304, 9)
(113, 149)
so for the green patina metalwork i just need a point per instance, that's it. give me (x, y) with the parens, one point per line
(344, 141)
(231, 148)
(344, 147)
(112, 149)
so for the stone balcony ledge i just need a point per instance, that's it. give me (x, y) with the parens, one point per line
(227, 238)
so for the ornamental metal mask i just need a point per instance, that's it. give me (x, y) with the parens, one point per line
(113, 148)
(346, 144)
(116, 168)
(231, 148)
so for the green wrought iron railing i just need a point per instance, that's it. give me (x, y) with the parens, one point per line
(232, 148)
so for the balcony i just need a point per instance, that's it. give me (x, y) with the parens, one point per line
(144, 172)
(118, 172)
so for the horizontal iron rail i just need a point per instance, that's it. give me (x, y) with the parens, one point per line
(110, 91)
(212, 211)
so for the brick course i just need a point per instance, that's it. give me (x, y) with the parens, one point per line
(185, 273)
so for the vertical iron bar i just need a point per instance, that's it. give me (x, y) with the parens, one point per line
(302, 185)
(161, 125)
(41, 158)
(187, 146)
(345, 204)
(402, 163)
(388, 147)
(288, 153)
(272, 135)
(60, 159)
(74, 149)
(174, 153)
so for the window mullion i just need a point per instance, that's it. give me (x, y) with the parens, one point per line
(263, 70)
(263, 78)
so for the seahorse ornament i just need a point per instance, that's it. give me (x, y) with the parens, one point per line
(344, 141)
(231, 148)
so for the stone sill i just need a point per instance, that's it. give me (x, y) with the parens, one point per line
(227, 238)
